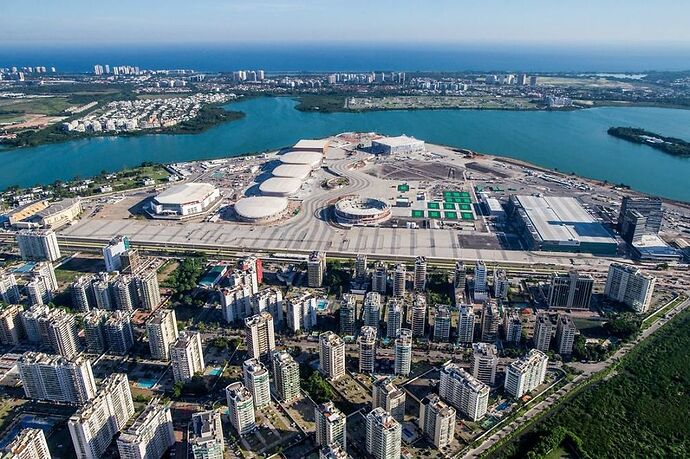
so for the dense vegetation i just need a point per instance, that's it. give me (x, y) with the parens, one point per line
(670, 145)
(440, 290)
(184, 279)
(639, 412)
(208, 116)
(314, 384)
(337, 278)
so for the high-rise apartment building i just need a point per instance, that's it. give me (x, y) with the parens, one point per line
(490, 322)
(399, 278)
(331, 355)
(9, 291)
(543, 330)
(187, 356)
(395, 317)
(565, 334)
(56, 378)
(348, 315)
(372, 310)
(526, 374)
(94, 321)
(285, 376)
(420, 272)
(512, 327)
(28, 444)
(437, 420)
(301, 313)
(570, 291)
(94, 425)
(485, 358)
(459, 276)
(260, 335)
(62, 332)
(257, 379)
(403, 352)
(466, 324)
(11, 328)
(112, 252)
(361, 269)
(206, 435)
(367, 350)
(649, 208)
(330, 425)
(161, 330)
(480, 286)
(383, 435)
(501, 284)
(240, 408)
(442, 323)
(38, 245)
(389, 397)
(148, 290)
(629, 285)
(316, 269)
(379, 280)
(418, 320)
(81, 292)
(118, 333)
(465, 392)
(150, 436)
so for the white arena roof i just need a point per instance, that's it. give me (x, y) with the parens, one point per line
(280, 186)
(299, 171)
(185, 193)
(310, 158)
(311, 144)
(559, 218)
(260, 207)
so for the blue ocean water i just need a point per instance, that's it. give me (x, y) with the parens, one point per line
(354, 57)
(572, 141)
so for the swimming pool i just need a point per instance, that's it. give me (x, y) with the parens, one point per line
(26, 421)
(146, 383)
(322, 304)
(216, 371)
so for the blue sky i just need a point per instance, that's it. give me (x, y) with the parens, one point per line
(548, 22)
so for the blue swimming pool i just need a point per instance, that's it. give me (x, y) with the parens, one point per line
(322, 304)
(146, 383)
(26, 421)
(216, 371)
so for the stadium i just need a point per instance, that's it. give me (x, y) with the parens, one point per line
(298, 171)
(261, 209)
(310, 158)
(353, 210)
(280, 187)
(184, 200)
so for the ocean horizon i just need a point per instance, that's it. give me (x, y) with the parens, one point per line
(356, 57)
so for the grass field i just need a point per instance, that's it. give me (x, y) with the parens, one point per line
(43, 106)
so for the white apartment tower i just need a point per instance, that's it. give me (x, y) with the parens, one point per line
(480, 275)
(437, 420)
(372, 310)
(490, 322)
(399, 277)
(240, 408)
(379, 280)
(348, 315)
(161, 330)
(150, 436)
(442, 323)
(403, 352)
(257, 379)
(466, 324)
(9, 292)
(55, 378)
(316, 268)
(395, 317)
(367, 350)
(331, 355)
(11, 328)
(565, 334)
(330, 425)
(383, 435)
(206, 435)
(260, 335)
(187, 356)
(630, 286)
(285, 376)
(543, 329)
(485, 358)
(465, 392)
(389, 397)
(525, 374)
(28, 444)
(38, 245)
(418, 320)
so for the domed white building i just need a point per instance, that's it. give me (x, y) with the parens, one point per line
(353, 210)
(261, 209)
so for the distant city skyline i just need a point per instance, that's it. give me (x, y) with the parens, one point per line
(534, 22)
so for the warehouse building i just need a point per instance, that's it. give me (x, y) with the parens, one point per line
(559, 224)
(396, 145)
